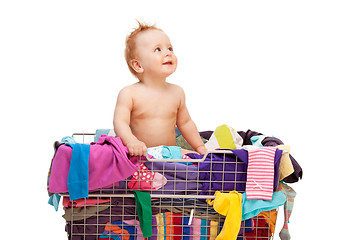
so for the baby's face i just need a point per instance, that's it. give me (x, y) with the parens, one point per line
(155, 53)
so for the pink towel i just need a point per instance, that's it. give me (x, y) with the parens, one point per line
(108, 164)
(260, 173)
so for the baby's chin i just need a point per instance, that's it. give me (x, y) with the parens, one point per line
(169, 69)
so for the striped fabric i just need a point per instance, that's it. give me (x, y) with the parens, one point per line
(165, 226)
(174, 226)
(260, 173)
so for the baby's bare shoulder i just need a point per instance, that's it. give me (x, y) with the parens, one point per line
(132, 87)
(176, 89)
(127, 95)
(129, 90)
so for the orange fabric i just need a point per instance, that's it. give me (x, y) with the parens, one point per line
(271, 218)
(115, 229)
(169, 225)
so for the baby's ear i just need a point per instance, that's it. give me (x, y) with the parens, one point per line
(135, 64)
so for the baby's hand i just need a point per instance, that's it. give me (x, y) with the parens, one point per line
(201, 150)
(137, 148)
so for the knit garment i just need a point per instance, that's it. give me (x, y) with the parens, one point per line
(229, 205)
(144, 211)
(288, 207)
(260, 173)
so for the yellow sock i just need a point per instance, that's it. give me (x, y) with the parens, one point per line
(229, 205)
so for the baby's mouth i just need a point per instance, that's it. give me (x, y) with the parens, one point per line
(167, 63)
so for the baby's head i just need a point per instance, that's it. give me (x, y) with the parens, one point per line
(149, 49)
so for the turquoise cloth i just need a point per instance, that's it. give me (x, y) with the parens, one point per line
(144, 211)
(171, 152)
(54, 201)
(100, 132)
(256, 140)
(78, 178)
(252, 207)
(68, 139)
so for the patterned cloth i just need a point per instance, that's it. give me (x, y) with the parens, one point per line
(174, 226)
(146, 180)
(166, 225)
(260, 173)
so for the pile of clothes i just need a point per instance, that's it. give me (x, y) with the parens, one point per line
(255, 188)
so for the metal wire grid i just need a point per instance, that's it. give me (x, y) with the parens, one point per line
(182, 206)
(169, 214)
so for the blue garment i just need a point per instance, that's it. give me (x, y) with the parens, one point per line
(177, 132)
(110, 237)
(256, 140)
(252, 207)
(68, 139)
(100, 132)
(186, 228)
(78, 178)
(54, 200)
(171, 152)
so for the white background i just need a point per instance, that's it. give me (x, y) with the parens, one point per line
(283, 68)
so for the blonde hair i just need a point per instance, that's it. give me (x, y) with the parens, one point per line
(130, 42)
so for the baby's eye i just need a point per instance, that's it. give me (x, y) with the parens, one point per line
(170, 49)
(157, 49)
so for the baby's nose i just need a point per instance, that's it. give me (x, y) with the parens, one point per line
(168, 53)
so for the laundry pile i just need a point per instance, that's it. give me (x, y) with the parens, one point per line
(230, 194)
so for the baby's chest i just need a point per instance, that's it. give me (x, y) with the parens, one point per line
(156, 107)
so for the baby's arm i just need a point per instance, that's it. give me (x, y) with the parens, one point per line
(188, 128)
(122, 124)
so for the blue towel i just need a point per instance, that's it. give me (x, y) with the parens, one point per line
(252, 207)
(78, 178)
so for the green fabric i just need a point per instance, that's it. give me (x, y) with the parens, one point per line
(144, 211)
(181, 142)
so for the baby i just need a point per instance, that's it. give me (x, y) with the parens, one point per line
(147, 112)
